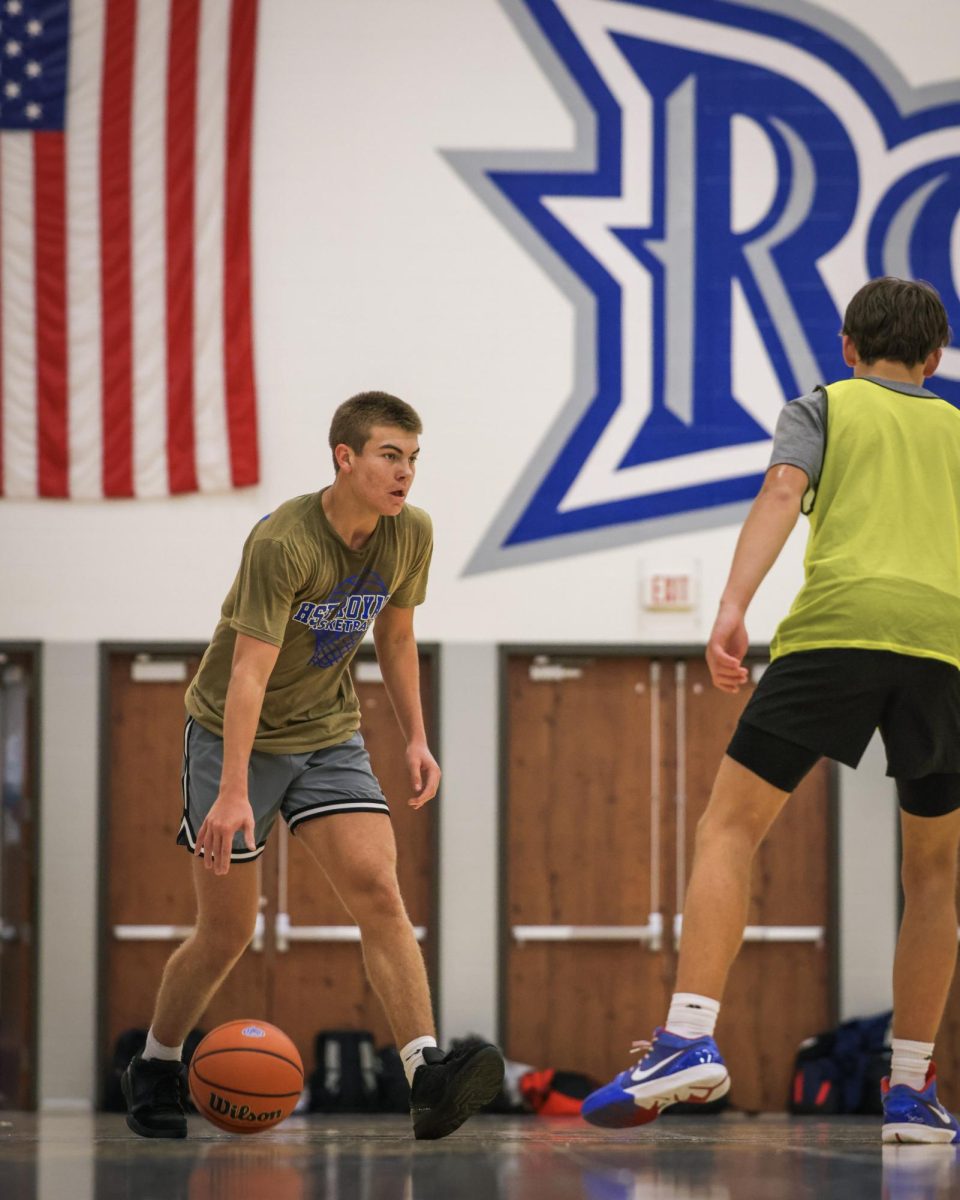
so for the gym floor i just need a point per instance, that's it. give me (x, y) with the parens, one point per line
(491, 1158)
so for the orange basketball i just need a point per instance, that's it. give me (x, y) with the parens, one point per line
(246, 1076)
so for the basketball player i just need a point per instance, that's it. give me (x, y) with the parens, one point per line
(272, 728)
(872, 640)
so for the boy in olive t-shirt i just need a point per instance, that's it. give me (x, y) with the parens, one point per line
(273, 726)
(301, 588)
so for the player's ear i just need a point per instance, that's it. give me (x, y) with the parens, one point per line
(932, 363)
(344, 456)
(850, 354)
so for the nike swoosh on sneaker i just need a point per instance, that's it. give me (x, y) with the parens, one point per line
(941, 1116)
(638, 1075)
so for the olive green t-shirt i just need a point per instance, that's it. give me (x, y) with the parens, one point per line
(300, 587)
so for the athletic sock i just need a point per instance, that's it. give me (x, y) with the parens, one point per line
(155, 1049)
(692, 1016)
(412, 1055)
(909, 1063)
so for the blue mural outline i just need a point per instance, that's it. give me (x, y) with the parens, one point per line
(531, 526)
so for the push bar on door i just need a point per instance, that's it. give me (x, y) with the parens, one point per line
(767, 933)
(650, 935)
(176, 933)
(287, 933)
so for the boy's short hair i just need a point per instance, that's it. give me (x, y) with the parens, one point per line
(355, 417)
(901, 320)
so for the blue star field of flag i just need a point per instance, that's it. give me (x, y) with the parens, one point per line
(33, 63)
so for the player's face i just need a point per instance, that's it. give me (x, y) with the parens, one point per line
(383, 474)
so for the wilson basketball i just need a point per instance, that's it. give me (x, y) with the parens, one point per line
(246, 1076)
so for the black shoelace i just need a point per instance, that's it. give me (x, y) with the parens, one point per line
(168, 1092)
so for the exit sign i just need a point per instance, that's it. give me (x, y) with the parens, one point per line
(670, 592)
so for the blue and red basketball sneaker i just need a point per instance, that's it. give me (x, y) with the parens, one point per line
(910, 1115)
(672, 1069)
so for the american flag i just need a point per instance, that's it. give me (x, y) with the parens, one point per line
(126, 344)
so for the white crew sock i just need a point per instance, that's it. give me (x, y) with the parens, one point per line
(692, 1016)
(909, 1062)
(155, 1049)
(412, 1055)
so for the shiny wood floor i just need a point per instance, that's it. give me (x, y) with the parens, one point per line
(719, 1158)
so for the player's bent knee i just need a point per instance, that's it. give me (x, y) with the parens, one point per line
(377, 898)
(226, 936)
(736, 838)
(729, 825)
(935, 882)
(933, 870)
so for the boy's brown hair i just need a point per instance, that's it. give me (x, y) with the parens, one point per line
(901, 320)
(355, 417)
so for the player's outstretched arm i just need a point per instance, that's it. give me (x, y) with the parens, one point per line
(253, 661)
(767, 527)
(400, 664)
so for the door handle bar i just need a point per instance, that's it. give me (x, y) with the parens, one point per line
(767, 933)
(287, 933)
(650, 935)
(177, 933)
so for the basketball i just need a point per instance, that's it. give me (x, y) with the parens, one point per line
(246, 1076)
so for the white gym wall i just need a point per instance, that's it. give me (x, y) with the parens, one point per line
(377, 267)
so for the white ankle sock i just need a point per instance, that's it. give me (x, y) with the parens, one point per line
(412, 1055)
(909, 1062)
(155, 1049)
(692, 1016)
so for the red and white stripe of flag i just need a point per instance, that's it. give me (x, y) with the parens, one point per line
(126, 341)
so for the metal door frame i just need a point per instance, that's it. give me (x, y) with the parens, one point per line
(33, 650)
(160, 649)
(508, 650)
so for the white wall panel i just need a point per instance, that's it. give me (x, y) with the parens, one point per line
(69, 873)
(377, 266)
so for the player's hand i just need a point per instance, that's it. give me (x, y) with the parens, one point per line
(424, 774)
(725, 650)
(231, 811)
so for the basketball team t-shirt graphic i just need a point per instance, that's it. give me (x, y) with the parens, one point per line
(341, 621)
(300, 587)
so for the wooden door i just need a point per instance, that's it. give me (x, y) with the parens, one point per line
(149, 890)
(610, 762)
(780, 989)
(148, 896)
(580, 861)
(18, 872)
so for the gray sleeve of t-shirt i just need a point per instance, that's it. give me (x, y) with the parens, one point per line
(801, 437)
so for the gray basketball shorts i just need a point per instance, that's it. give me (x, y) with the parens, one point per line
(300, 787)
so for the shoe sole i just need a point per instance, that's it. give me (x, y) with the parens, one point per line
(906, 1132)
(476, 1085)
(145, 1130)
(640, 1105)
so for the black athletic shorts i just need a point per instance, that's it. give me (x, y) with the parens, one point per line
(828, 703)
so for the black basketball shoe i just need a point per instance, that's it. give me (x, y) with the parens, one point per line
(449, 1088)
(155, 1090)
